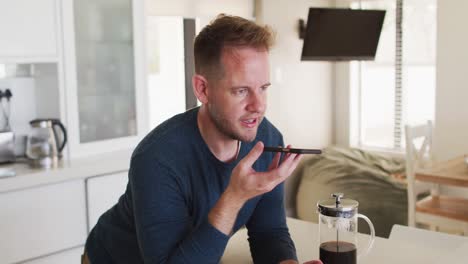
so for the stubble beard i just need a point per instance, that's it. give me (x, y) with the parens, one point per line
(228, 129)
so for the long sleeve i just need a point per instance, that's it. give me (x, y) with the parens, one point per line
(162, 220)
(269, 237)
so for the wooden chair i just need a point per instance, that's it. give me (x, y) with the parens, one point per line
(435, 210)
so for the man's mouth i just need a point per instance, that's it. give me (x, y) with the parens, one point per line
(250, 123)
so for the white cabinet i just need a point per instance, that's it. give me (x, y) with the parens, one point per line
(28, 30)
(97, 50)
(71, 256)
(38, 221)
(104, 74)
(104, 192)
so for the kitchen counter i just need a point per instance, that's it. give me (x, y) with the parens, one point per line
(27, 177)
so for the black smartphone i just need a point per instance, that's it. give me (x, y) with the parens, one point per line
(292, 150)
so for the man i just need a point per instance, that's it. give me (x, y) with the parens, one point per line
(201, 175)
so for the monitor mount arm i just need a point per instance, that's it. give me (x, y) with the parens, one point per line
(302, 28)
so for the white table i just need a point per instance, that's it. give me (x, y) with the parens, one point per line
(305, 237)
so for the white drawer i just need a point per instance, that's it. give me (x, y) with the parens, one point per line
(103, 193)
(38, 221)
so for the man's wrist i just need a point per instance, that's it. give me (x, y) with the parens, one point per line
(233, 198)
(224, 214)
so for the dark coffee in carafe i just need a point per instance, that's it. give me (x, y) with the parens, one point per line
(338, 252)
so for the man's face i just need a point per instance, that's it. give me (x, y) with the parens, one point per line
(237, 101)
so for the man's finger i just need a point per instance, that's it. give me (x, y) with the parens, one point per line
(275, 162)
(253, 155)
(280, 173)
(295, 163)
(288, 166)
(287, 161)
(297, 159)
(287, 154)
(313, 262)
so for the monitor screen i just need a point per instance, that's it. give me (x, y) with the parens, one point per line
(334, 34)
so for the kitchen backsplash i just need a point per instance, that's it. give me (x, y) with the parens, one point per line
(34, 94)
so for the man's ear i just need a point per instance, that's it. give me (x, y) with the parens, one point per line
(200, 88)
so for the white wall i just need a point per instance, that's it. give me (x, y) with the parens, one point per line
(300, 99)
(342, 105)
(165, 48)
(166, 75)
(200, 8)
(451, 116)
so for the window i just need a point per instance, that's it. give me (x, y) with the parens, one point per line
(397, 88)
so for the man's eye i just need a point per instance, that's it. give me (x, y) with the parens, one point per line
(240, 92)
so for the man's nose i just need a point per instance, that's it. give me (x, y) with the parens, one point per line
(257, 102)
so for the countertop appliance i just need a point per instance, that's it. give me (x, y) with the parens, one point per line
(7, 146)
(44, 145)
(7, 137)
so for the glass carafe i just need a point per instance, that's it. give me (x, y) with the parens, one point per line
(338, 224)
(44, 144)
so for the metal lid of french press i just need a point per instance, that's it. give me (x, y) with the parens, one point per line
(338, 207)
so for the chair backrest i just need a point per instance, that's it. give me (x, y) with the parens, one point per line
(419, 154)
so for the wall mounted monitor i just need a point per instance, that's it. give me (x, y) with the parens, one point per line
(334, 34)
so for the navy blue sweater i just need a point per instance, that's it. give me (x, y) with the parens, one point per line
(174, 181)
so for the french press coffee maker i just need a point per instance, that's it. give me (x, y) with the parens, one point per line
(338, 224)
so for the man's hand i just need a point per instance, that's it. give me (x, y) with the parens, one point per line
(289, 261)
(246, 183)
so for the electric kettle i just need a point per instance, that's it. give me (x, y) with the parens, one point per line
(44, 146)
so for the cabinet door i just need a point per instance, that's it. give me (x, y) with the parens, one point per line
(103, 193)
(28, 28)
(39, 221)
(103, 69)
(71, 256)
